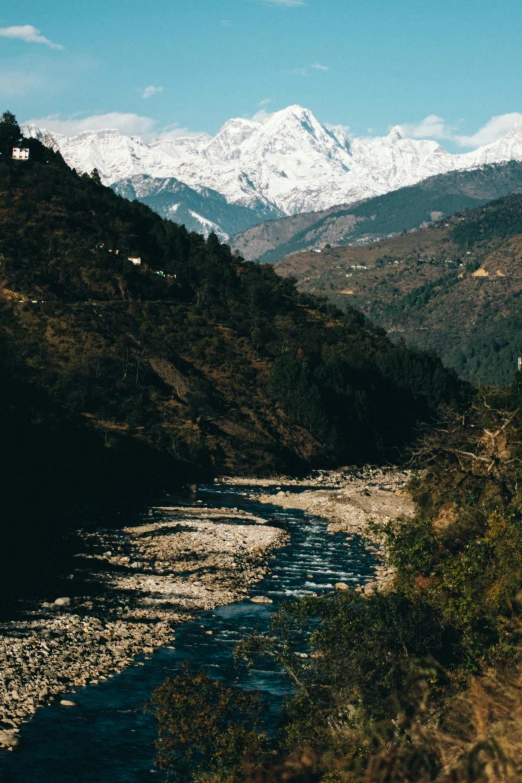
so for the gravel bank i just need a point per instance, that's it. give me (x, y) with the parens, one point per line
(349, 500)
(136, 585)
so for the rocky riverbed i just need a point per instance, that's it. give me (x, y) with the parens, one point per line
(132, 586)
(349, 500)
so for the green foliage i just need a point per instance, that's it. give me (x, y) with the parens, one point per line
(292, 384)
(363, 653)
(421, 296)
(206, 729)
(384, 691)
(500, 219)
(464, 547)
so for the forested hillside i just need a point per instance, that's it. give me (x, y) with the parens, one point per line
(209, 363)
(453, 288)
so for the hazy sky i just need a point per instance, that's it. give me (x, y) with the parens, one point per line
(442, 68)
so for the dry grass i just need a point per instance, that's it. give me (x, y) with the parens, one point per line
(481, 739)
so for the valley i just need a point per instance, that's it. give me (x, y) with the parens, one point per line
(297, 620)
(415, 284)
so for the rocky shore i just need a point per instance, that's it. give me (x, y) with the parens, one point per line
(132, 586)
(349, 500)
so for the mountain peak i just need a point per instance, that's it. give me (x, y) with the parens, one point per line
(239, 122)
(515, 132)
(293, 113)
(289, 163)
(396, 133)
(295, 109)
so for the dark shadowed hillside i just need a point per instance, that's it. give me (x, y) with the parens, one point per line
(187, 363)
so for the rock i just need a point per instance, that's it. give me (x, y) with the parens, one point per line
(261, 599)
(341, 586)
(68, 703)
(62, 602)
(8, 740)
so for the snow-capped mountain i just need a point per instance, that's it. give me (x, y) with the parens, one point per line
(285, 165)
(200, 209)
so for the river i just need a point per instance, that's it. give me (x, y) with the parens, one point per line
(108, 737)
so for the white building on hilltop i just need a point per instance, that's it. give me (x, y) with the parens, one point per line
(20, 153)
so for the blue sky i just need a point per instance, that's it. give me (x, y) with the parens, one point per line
(366, 64)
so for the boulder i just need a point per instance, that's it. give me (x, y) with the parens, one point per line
(261, 599)
(67, 703)
(9, 740)
(342, 586)
(62, 602)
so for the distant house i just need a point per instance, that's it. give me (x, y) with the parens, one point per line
(20, 153)
(135, 261)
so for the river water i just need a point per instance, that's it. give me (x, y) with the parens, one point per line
(108, 737)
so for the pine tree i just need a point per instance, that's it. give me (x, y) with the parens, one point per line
(10, 134)
(95, 176)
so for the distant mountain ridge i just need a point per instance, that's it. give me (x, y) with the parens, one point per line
(383, 216)
(286, 165)
(454, 287)
(201, 210)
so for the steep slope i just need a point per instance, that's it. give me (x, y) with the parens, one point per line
(454, 287)
(119, 378)
(216, 362)
(286, 165)
(202, 210)
(376, 218)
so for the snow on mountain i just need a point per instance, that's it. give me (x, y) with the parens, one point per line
(507, 148)
(182, 146)
(200, 209)
(395, 161)
(115, 156)
(285, 165)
